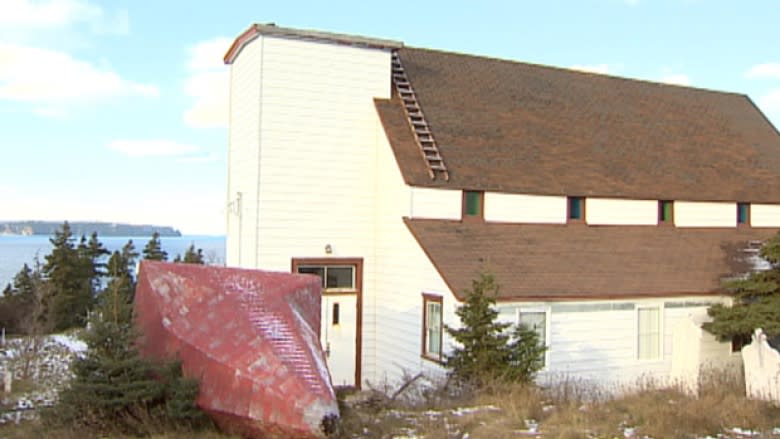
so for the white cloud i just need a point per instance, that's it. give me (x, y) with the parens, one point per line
(676, 78)
(208, 84)
(597, 68)
(766, 70)
(207, 55)
(31, 74)
(770, 105)
(153, 147)
(61, 14)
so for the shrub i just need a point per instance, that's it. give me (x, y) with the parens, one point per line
(486, 351)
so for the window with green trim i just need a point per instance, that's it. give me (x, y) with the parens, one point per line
(472, 204)
(576, 208)
(743, 213)
(665, 211)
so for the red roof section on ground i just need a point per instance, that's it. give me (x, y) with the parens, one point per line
(252, 339)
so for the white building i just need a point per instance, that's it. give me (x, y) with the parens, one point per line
(608, 209)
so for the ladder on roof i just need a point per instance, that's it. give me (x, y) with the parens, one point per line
(417, 122)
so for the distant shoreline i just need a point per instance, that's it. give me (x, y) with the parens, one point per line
(78, 228)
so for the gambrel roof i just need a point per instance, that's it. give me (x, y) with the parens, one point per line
(523, 128)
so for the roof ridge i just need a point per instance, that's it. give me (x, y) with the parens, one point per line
(573, 71)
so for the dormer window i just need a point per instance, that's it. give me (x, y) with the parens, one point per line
(743, 214)
(576, 208)
(473, 205)
(665, 212)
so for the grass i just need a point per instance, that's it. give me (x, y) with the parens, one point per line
(574, 410)
(563, 410)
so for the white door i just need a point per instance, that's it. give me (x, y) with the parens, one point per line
(338, 334)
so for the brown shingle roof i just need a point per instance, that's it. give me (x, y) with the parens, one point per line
(578, 261)
(515, 127)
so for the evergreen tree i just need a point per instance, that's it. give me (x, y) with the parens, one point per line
(191, 256)
(486, 351)
(17, 301)
(153, 250)
(93, 255)
(114, 387)
(71, 296)
(756, 301)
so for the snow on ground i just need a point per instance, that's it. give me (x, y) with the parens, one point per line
(40, 367)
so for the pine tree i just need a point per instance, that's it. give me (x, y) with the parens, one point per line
(71, 296)
(756, 301)
(486, 351)
(17, 300)
(115, 388)
(191, 256)
(153, 250)
(93, 256)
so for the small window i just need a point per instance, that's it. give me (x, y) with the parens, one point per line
(335, 319)
(649, 333)
(537, 321)
(576, 208)
(472, 204)
(432, 327)
(334, 277)
(743, 213)
(665, 211)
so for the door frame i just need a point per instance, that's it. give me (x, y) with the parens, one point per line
(358, 264)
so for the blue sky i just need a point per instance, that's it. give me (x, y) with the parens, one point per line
(116, 110)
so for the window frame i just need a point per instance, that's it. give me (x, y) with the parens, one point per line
(480, 214)
(662, 204)
(660, 334)
(424, 352)
(325, 268)
(746, 219)
(582, 204)
(546, 312)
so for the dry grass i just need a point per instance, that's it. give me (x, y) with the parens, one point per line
(569, 409)
(36, 430)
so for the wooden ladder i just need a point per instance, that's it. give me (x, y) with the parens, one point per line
(417, 122)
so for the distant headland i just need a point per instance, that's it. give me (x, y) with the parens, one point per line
(78, 228)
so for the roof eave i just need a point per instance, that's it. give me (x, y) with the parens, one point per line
(271, 29)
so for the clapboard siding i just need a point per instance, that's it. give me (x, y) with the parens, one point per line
(581, 343)
(406, 273)
(609, 211)
(765, 215)
(702, 214)
(517, 208)
(318, 150)
(243, 156)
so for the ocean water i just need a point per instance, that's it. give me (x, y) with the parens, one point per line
(16, 251)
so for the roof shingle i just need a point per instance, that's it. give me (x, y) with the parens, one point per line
(585, 262)
(523, 128)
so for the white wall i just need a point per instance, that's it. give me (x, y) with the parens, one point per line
(434, 203)
(586, 336)
(765, 215)
(317, 149)
(243, 157)
(517, 208)
(395, 308)
(702, 214)
(610, 211)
